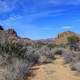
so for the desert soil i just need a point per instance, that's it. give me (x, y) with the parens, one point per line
(54, 71)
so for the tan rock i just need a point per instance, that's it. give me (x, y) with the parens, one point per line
(62, 37)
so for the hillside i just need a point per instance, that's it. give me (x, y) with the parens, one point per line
(11, 36)
(62, 37)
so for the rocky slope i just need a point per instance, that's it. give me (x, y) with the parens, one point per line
(11, 36)
(62, 37)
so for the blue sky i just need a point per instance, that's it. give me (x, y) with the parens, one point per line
(40, 19)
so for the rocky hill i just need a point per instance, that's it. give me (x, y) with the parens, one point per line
(62, 37)
(11, 36)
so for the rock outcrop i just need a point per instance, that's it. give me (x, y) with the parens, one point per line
(62, 38)
(11, 36)
(1, 28)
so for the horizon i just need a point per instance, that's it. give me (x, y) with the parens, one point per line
(38, 19)
(40, 38)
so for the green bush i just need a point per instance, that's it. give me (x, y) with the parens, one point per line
(72, 39)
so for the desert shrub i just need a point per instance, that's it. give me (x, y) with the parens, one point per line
(61, 45)
(14, 61)
(44, 54)
(14, 69)
(67, 54)
(42, 59)
(57, 51)
(12, 50)
(31, 56)
(51, 45)
(72, 39)
(76, 66)
(39, 55)
(71, 56)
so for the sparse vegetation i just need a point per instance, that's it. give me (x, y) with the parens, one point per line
(44, 54)
(17, 59)
(72, 58)
(13, 62)
(72, 39)
(76, 66)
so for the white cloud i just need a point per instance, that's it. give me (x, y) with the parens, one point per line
(10, 20)
(44, 13)
(7, 5)
(65, 2)
(56, 2)
(66, 27)
(3, 6)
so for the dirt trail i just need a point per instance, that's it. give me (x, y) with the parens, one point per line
(54, 71)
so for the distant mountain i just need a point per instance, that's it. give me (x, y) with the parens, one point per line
(44, 41)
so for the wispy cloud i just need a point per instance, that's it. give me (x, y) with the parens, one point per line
(65, 2)
(33, 5)
(10, 21)
(66, 27)
(34, 9)
(7, 5)
(44, 13)
(39, 16)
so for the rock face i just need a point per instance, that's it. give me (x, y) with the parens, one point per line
(1, 28)
(11, 36)
(62, 38)
(11, 32)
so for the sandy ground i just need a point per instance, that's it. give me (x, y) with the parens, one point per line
(54, 71)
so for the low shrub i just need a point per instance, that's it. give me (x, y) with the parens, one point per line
(14, 63)
(76, 66)
(67, 54)
(71, 56)
(14, 69)
(57, 51)
(44, 54)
